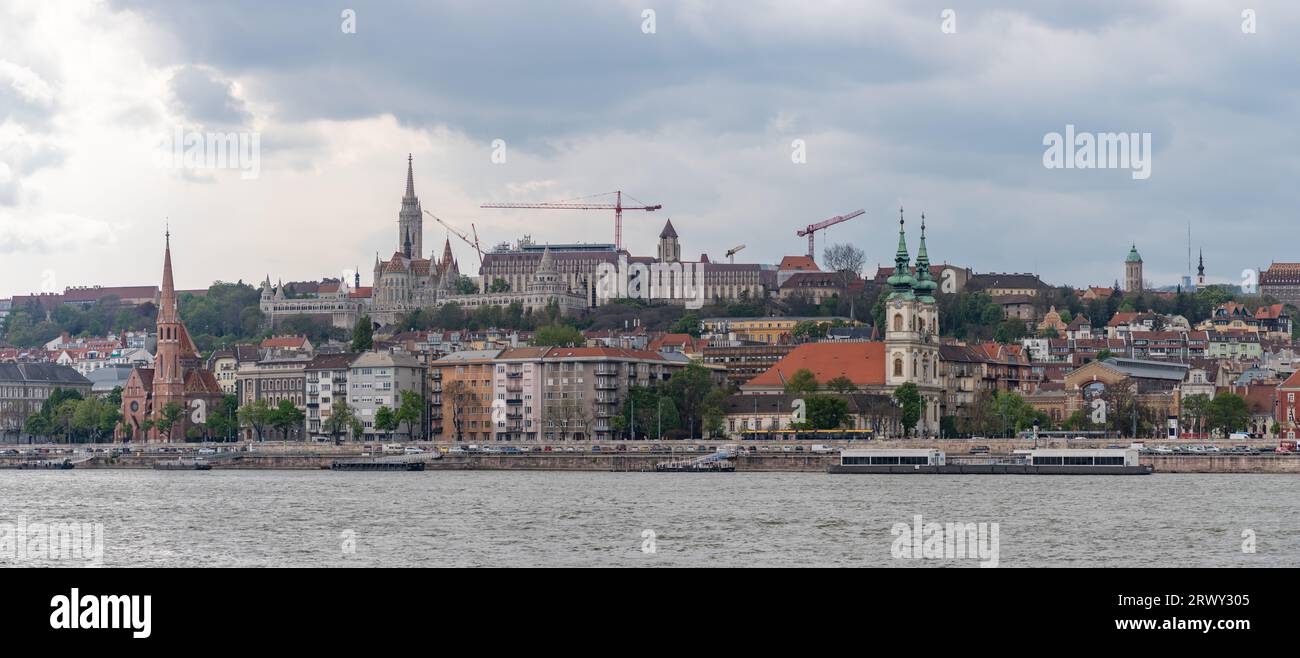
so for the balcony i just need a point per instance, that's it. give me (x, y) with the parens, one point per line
(606, 370)
(606, 385)
(514, 400)
(514, 375)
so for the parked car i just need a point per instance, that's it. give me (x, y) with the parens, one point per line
(413, 451)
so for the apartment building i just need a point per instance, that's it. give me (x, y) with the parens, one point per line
(461, 391)
(326, 382)
(377, 379)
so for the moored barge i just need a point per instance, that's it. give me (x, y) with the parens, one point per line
(1102, 461)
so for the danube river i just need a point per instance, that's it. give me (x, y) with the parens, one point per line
(494, 518)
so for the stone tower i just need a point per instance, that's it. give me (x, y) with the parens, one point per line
(1133, 271)
(410, 221)
(670, 250)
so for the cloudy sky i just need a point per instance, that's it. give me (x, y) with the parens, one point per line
(893, 106)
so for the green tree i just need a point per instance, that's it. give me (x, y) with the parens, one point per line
(558, 335)
(222, 419)
(909, 398)
(842, 385)
(690, 388)
(168, 417)
(286, 417)
(826, 412)
(688, 324)
(802, 382)
(1227, 413)
(385, 421)
(499, 285)
(1195, 408)
(363, 335)
(1011, 331)
(409, 411)
(257, 415)
(341, 417)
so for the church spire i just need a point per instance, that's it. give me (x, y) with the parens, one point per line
(1200, 268)
(167, 297)
(925, 283)
(410, 219)
(901, 279)
(410, 176)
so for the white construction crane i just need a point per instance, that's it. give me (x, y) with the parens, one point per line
(731, 253)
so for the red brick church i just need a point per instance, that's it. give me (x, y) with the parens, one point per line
(178, 376)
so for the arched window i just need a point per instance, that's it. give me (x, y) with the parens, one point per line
(898, 322)
(898, 367)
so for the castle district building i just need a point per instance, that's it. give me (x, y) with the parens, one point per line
(335, 302)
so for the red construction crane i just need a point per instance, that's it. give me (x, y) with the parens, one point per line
(813, 228)
(571, 204)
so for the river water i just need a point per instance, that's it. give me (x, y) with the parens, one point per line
(494, 518)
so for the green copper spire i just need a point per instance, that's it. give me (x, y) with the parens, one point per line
(925, 284)
(902, 279)
(1133, 256)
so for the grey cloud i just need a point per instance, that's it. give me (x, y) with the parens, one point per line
(203, 96)
(954, 122)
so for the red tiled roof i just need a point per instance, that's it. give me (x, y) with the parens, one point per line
(285, 341)
(863, 363)
(605, 352)
(361, 291)
(1293, 382)
(121, 292)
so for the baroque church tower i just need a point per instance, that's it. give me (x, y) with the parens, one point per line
(912, 328)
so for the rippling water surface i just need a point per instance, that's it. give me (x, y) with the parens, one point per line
(493, 518)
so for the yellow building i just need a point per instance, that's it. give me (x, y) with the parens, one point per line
(773, 331)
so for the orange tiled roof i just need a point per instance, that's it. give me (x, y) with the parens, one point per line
(799, 263)
(284, 341)
(863, 363)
